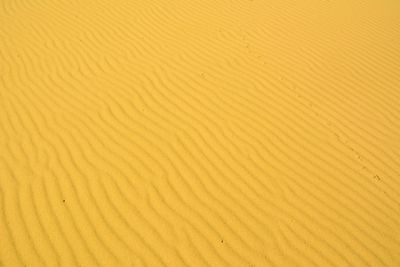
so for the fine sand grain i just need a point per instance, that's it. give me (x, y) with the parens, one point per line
(199, 133)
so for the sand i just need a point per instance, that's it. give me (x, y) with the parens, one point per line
(199, 133)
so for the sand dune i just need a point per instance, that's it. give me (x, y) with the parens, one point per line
(199, 133)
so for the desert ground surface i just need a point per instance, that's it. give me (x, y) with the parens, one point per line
(199, 133)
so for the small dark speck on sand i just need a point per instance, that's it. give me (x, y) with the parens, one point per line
(222, 241)
(64, 200)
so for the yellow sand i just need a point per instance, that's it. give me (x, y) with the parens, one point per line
(199, 133)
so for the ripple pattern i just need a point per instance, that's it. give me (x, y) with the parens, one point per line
(199, 133)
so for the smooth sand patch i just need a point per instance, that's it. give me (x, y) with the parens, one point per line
(199, 133)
